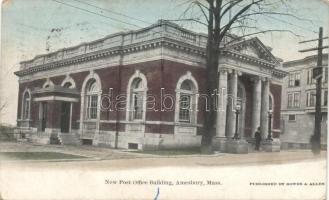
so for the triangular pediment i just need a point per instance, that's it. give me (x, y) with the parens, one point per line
(254, 48)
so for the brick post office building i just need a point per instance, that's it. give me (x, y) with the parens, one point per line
(76, 94)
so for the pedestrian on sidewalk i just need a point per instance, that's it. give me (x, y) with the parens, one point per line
(258, 138)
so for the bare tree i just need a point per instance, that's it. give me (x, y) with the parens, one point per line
(222, 17)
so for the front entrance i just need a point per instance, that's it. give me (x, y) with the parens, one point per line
(65, 117)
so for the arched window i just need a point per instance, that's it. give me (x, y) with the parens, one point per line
(91, 99)
(137, 99)
(187, 102)
(26, 105)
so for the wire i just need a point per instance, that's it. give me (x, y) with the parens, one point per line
(110, 11)
(114, 19)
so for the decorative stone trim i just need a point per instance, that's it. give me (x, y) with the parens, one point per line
(48, 83)
(68, 79)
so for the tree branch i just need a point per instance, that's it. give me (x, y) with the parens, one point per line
(231, 5)
(201, 6)
(261, 32)
(190, 19)
(235, 17)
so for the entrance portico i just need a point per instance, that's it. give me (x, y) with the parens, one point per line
(235, 77)
(55, 110)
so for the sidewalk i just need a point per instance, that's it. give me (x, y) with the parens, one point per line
(105, 158)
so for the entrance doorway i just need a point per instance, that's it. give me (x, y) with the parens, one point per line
(65, 117)
(43, 116)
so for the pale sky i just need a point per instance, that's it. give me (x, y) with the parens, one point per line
(27, 30)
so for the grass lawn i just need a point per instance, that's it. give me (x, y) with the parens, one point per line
(36, 156)
(171, 152)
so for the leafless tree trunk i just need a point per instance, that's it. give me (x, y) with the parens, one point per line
(221, 16)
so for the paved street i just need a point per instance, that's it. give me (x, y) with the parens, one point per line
(104, 158)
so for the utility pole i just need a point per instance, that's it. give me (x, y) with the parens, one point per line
(317, 75)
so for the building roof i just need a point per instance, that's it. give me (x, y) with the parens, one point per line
(162, 33)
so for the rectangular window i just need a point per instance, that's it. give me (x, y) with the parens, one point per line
(184, 108)
(294, 79)
(291, 80)
(292, 117)
(312, 99)
(296, 100)
(297, 80)
(310, 79)
(92, 106)
(290, 98)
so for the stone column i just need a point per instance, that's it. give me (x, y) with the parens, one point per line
(256, 107)
(82, 113)
(264, 108)
(232, 97)
(221, 104)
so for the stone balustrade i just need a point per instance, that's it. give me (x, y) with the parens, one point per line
(155, 31)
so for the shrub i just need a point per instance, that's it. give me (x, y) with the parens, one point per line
(6, 132)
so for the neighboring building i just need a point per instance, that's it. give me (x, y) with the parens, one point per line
(61, 93)
(298, 102)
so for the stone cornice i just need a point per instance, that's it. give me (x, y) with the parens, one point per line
(248, 58)
(279, 73)
(119, 50)
(142, 46)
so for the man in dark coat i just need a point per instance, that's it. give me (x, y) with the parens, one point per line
(258, 138)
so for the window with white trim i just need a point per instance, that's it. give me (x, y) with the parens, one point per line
(26, 105)
(310, 98)
(186, 101)
(294, 100)
(290, 98)
(294, 79)
(137, 99)
(310, 79)
(91, 99)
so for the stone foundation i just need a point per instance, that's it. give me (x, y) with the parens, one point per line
(271, 146)
(240, 146)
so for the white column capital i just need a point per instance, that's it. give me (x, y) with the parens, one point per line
(255, 79)
(223, 71)
(239, 73)
(265, 79)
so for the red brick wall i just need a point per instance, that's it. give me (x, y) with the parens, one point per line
(159, 74)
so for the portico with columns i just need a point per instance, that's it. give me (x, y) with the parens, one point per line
(245, 85)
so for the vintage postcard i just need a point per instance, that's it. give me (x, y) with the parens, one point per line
(164, 99)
